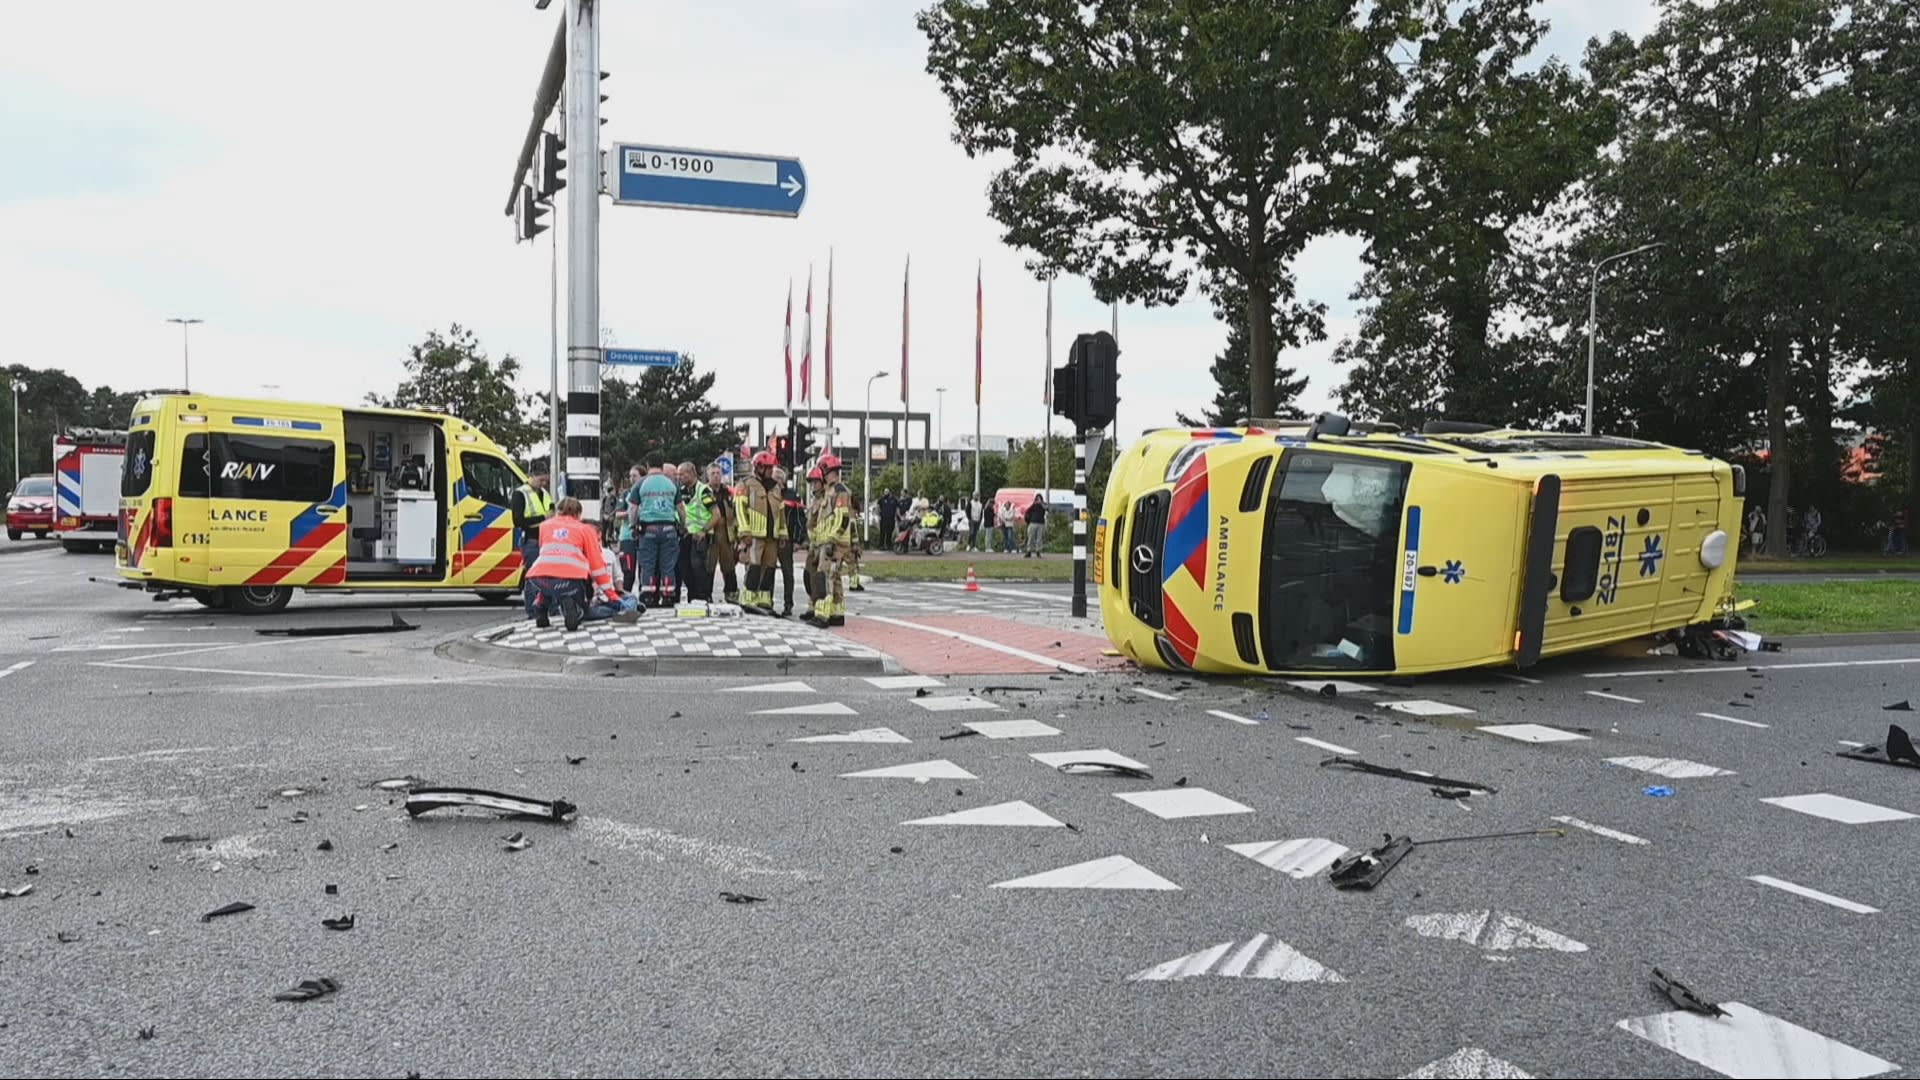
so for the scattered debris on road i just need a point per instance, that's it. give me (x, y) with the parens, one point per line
(343, 922)
(333, 890)
(15, 894)
(1449, 793)
(422, 800)
(1897, 750)
(1680, 995)
(397, 783)
(518, 842)
(324, 845)
(1365, 869)
(742, 898)
(1358, 765)
(1659, 791)
(581, 760)
(398, 625)
(308, 990)
(231, 909)
(1898, 706)
(961, 734)
(1116, 768)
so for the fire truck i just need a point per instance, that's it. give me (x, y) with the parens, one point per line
(86, 480)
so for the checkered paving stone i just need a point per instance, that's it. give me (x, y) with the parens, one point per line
(658, 636)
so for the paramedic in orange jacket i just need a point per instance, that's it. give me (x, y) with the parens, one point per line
(570, 559)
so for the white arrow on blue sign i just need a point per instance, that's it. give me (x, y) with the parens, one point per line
(683, 179)
(643, 357)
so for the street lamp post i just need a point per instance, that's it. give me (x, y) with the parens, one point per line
(19, 386)
(940, 429)
(866, 455)
(186, 368)
(1593, 306)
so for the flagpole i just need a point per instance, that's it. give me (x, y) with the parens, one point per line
(1046, 371)
(906, 392)
(806, 364)
(979, 322)
(829, 440)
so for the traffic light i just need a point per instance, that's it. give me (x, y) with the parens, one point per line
(548, 164)
(1065, 395)
(803, 448)
(783, 450)
(527, 215)
(1099, 379)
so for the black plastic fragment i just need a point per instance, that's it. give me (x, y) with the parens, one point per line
(1366, 869)
(1449, 793)
(1329, 690)
(1402, 774)
(324, 845)
(308, 990)
(571, 760)
(1898, 706)
(422, 800)
(343, 922)
(742, 898)
(184, 838)
(1898, 750)
(398, 625)
(1681, 995)
(961, 734)
(230, 909)
(1113, 767)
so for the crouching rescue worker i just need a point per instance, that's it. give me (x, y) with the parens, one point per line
(763, 524)
(570, 561)
(832, 545)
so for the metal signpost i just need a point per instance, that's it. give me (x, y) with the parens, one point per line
(729, 183)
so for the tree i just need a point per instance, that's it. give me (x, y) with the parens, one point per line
(1153, 140)
(1231, 380)
(1483, 147)
(667, 411)
(1028, 468)
(450, 374)
(52, 402)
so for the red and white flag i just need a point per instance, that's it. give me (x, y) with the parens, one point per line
(806, 355)
(979, 325)
(829, 349)
(789, 345)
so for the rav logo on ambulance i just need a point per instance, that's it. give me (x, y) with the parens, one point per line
(246, 470)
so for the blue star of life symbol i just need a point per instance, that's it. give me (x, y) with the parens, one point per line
(1650, 556)
(1454, 572)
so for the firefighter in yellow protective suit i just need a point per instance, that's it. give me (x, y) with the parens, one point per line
(763, 525)
(832, 544)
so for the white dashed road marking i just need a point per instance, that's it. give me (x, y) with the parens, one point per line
(1732, 719)
(1839, 808)
(1534, 733)
(1334, 748)
(1615, 697)
(1601, 830)
(1225, 715)
(1815, 894)
(1676, 768)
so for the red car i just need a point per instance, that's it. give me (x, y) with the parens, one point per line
(30, 510)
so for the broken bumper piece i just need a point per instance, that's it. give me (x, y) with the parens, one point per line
(1365, 869)
(421, 800)
(1898, 750)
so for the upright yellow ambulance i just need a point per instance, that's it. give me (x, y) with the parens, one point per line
(1328, 547)
(236, 503)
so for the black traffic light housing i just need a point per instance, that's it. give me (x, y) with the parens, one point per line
(548, 165)
(783, 450)
(802, 445)
(1086, 389)
(527, 215)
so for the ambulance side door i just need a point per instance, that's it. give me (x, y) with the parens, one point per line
(277, 512)
(484, 554)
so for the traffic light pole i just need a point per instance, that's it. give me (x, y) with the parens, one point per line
(582, 124)
(1079, 522)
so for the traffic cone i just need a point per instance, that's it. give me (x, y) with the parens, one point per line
(973, 583)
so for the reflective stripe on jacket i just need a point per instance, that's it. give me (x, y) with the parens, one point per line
(568, 549)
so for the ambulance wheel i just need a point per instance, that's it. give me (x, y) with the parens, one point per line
(257, 599)
(210, 598)
(499, 596)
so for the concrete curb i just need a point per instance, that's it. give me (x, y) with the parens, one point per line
(13, 547)
(470, 651)
(1829, 641)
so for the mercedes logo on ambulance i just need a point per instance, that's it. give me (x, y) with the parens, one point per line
(1143, 559)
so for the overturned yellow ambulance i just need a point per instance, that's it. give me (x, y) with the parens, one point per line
(1326, 547)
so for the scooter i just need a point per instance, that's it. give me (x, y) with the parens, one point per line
(917, 538)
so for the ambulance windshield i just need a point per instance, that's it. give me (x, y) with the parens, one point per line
(1331, 565)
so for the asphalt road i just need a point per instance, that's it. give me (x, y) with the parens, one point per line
(883, 948)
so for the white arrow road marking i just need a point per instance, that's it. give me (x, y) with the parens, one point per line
(1748, 1043)
(1282, 961)
(1495, 931)
(1112, 872)
(1056, 758)
(919, 770)
(864, 735)
(1534, 733)
(1021, 814)
(1469, 1063)
(1183, 803)
(1677, 768)
(1013, 729)
(954, 704)
(771, 688)
(818, 708)
(1302, 858)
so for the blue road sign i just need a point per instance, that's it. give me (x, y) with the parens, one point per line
(725, 461)
(643, 357)
(683, 179)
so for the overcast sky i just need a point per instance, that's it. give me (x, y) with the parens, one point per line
(323, 183)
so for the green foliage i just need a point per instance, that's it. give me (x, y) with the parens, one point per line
(52, 402)
(1156, 141)
(1232, 377)
(451, 374)
(666, 410)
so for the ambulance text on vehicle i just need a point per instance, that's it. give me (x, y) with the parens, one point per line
(1330, 548)
(236, 503)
